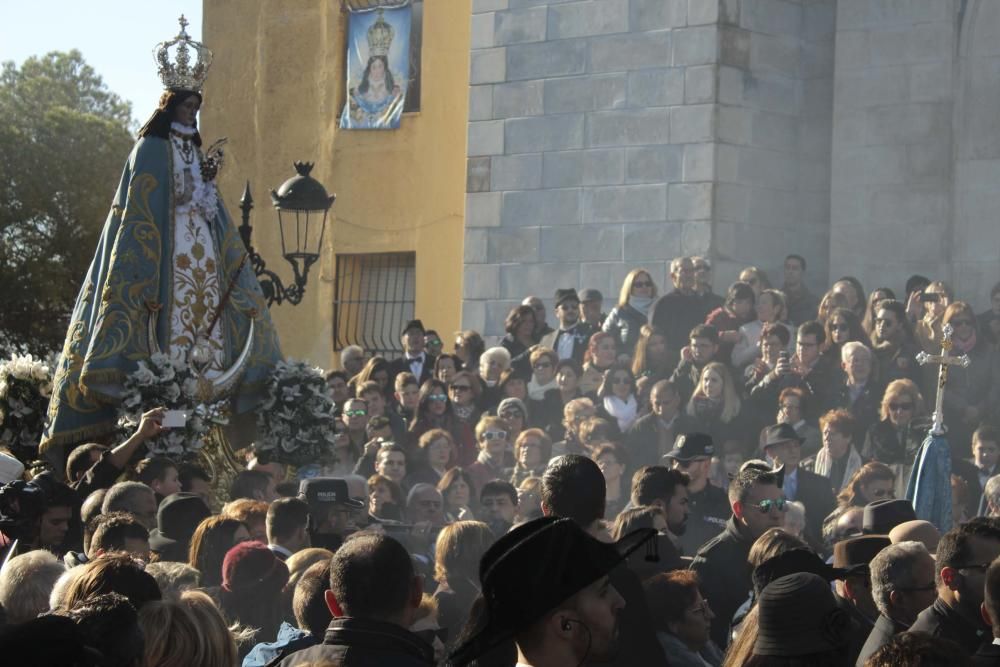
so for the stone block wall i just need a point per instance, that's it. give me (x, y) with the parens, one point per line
(773, 177)
(892, 178)
(591, 146)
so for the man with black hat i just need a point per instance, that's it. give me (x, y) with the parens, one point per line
(571, 339)
(591, 302)
(414, 360)
(784, 446)
(757, 504)
(708, 507)
(330, 506)
(176, 520)
(546, 586)
(854, 592)
(573, 488)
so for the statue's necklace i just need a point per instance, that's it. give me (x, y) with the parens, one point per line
(186, 147)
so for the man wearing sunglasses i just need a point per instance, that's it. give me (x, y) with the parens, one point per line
(895, 348)
(571, 339)
(902, 579)
(963, 556)
(757, 504)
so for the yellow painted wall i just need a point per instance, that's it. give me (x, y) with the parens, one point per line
(276, 89)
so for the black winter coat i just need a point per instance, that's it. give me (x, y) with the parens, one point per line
(355, 642)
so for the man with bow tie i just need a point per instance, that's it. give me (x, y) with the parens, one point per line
(415, 359)
(570, 340)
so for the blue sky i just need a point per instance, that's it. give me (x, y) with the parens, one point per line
(116, 38)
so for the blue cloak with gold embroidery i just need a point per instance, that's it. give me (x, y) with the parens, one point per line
(130, 279)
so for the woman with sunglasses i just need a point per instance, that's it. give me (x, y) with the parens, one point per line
(544, 395)
(520, 328)
(491, 435)
(896, 438)
(878, 295)
(464, 391)
(842, 326)
(434, 411)
(626, 319)
(617, 401)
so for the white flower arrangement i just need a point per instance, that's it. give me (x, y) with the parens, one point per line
(25, 388)
(165, 382)
(295, 419)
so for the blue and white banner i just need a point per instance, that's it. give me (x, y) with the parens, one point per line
(378, 64)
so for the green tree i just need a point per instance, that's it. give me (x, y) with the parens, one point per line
(64, 138)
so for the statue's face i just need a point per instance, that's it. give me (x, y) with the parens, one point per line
(377, 71)
(187, 111)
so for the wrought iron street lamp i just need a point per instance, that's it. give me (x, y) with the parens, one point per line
(302, 204)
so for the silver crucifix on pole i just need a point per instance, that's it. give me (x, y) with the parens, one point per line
(945, 359)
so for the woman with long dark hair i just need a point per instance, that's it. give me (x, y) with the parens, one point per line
(434, 410)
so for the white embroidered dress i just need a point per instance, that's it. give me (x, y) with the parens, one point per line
(197, 289)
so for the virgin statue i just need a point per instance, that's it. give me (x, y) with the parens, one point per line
(169, 274)
(377, 101)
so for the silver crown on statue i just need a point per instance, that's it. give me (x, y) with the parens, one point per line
(173, 61)
(380, 37)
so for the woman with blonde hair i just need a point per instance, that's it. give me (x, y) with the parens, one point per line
(220, 640)
(172, 635)
(715, 405)
(632, 312)
(457, 553)
(897, 437)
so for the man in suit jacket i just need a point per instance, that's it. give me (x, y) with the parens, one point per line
(287, 527)
(989, 654)
(415, 359)
(902, 580)
(570, 340)
(784, 446)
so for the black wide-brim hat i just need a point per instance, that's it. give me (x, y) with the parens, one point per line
(531, 570)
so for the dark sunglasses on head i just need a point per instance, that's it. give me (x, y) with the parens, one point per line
(642, 283)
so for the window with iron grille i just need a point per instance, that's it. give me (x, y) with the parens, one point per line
(374, 297)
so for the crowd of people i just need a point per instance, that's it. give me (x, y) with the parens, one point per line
(689, 479)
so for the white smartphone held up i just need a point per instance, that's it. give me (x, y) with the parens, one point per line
(174, 419)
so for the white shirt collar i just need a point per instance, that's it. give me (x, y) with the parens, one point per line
(280, 549)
